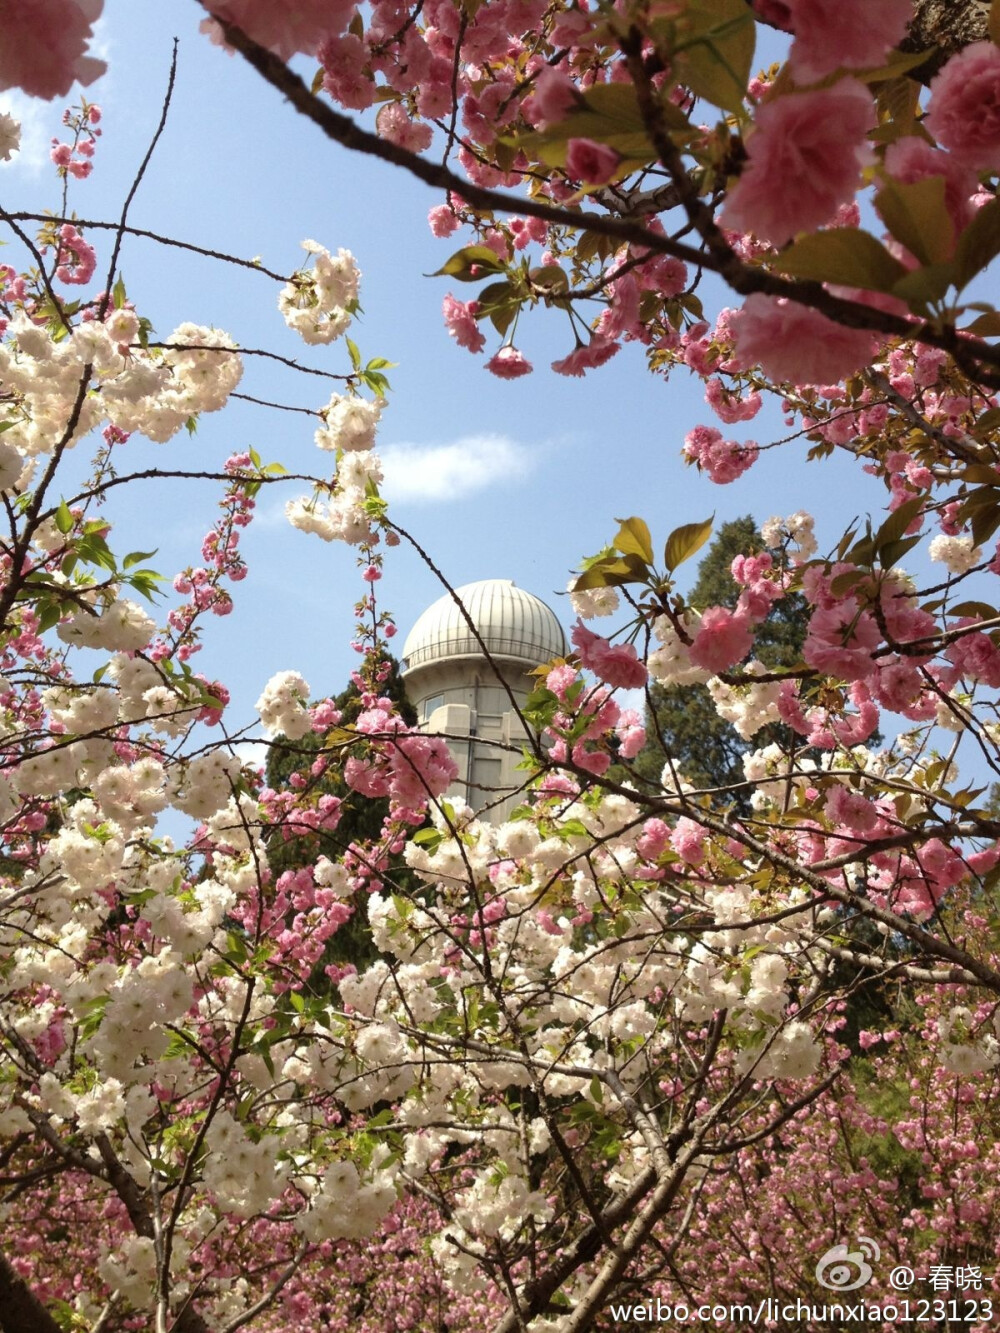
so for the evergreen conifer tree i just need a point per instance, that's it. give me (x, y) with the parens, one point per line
(360, 820)
(681, 720)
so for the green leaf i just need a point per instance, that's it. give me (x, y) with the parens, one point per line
(612, 573)
(843, 255)
(353, 353)
(843, 583)
(470, 263)
(893, 552)
(917, 216)
(497, 303)
(95, 551)
(144, 581)
(897, 63)
(979, 244)
(898, 103)
(64, 518)
(49, 614)
(135, 557)
(609, 114)
(898, 521)
(550, 277)
(118, 292)
(683, 542)
(845, 542)
(376, 381)
(634, 539)
(982, 610)
(981, 474)
(925, 285)
(715, 52)
(985, 522)
(983, 326)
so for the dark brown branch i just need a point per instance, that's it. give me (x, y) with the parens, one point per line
(92, 225)
(106, 299)
(20, 1309)
(977, 358)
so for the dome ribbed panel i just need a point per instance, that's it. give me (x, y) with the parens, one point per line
(511, 622)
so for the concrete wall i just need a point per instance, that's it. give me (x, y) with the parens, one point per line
(462, 700)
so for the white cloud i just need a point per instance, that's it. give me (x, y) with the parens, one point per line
(429, 473)
(254, 753)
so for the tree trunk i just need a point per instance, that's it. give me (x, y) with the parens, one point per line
(942, 27)
(20, 1309)
(939, 27)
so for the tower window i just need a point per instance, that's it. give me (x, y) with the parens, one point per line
(435, 701)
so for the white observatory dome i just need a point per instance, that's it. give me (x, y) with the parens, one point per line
(512, 623)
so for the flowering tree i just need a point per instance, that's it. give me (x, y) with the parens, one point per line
(592, 1028)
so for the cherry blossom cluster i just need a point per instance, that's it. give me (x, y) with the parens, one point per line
(596, 1029)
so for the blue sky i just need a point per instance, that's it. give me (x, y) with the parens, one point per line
(496, 479)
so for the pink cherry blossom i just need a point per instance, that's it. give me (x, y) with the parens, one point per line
(728, 406)
(723, 460)
(343, 60)
(552, 98)
(964, 110)
(776, 12)
(460, 317)
(44, 43)
(509, 364)
(723, 639)
(394, 124)
(844, 806)
(655, 836)
(560, 679)
(422, 767)
(590, 162)
(631, 734)
(442, 220)
(841, 641)
(688, 841)
(617, 664)
(843, 34)
(804, 161)
(77, 259)
(587, 356)
(285, 29)
(795, 344)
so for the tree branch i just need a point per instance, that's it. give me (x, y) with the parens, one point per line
(979, 359)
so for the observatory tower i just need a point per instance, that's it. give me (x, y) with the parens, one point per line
(453, 683)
